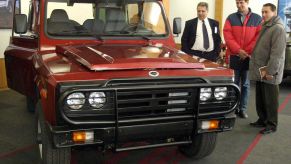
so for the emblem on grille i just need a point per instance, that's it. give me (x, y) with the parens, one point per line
(154, 73)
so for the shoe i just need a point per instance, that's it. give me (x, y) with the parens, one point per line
(243, 114)
(258, 124)
(268, 130)
(237, 111)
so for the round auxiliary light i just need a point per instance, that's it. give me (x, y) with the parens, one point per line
(76, 100)
(220, 93)
(97, 99)
(205, 94)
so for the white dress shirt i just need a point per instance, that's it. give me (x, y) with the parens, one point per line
(198, 45)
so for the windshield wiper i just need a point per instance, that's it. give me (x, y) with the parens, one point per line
(99, 37)
(146, 38)
(69, 32)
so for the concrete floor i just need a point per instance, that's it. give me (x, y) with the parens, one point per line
(242, 145)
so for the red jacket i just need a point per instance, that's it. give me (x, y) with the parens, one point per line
(238, 35)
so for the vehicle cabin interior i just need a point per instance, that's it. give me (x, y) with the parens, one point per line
(105, 18)
(59, 22)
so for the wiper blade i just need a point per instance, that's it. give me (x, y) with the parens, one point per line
(68, 32)
(99, 37)
(145, 37)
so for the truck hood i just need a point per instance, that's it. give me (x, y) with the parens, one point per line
(124, 57)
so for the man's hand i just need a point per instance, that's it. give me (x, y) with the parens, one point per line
(268, 77)
(265, 76)
(243, 54)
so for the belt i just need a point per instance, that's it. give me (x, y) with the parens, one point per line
(202, 52)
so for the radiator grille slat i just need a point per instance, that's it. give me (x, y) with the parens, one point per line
(155, 103)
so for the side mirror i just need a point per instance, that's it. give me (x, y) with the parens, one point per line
(20, 23)
(177, 25)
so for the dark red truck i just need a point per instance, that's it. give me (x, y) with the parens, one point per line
(105, 73)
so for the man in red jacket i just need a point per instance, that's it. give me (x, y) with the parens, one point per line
(241, 30)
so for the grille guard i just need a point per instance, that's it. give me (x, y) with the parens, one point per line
(115, 89)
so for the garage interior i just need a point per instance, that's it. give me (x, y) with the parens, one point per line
(243, 144)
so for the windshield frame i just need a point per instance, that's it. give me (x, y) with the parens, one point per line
(107, 36)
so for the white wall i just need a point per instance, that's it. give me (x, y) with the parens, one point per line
(6, 33)
(186, 9)
(4, 40)
(229, 6)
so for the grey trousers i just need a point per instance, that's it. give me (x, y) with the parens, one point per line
(267, 103)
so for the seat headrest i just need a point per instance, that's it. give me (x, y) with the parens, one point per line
(59, 15)
(115, 15)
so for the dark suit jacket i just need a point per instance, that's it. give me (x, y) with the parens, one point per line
(189, 37)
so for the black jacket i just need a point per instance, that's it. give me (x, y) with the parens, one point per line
(189, 37)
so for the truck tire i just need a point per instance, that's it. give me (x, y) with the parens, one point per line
(202, 146)
(48, 154)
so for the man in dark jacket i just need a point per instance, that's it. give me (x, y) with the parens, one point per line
(266, 68)
(201, 35)
(240, 31)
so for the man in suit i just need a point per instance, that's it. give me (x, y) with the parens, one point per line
(201, 35)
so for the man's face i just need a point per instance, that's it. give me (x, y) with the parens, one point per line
(267, 13)
(242, 5)
(202, 12)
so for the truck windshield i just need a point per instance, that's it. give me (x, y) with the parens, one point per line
(83, 18)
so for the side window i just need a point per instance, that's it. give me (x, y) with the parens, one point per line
(133, 13)
(101, 14)
(149, 14)
(153, 18)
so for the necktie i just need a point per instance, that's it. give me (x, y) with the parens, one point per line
(205, 36)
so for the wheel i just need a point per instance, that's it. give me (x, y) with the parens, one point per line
(48, 154)
(30, 104)
(202, 146)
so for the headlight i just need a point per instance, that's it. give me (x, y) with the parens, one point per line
(220, 93)
(76, 100)
(205, 94)
(97, 99)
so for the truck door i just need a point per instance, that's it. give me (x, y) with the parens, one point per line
(23, 45)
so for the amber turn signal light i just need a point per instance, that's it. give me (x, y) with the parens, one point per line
(83, 136)
(79, 136)
(211, 124)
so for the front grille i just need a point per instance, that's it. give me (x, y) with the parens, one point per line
(151, 100)
(155, 103)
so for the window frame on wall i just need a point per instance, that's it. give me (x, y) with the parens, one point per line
(32, 19)
(281, 13)
(30, 38)
(7, 12)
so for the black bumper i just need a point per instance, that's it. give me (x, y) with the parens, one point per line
(140, 136)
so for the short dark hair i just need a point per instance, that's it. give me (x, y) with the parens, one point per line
(247, 1)
(271, 5)
(203, 4)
